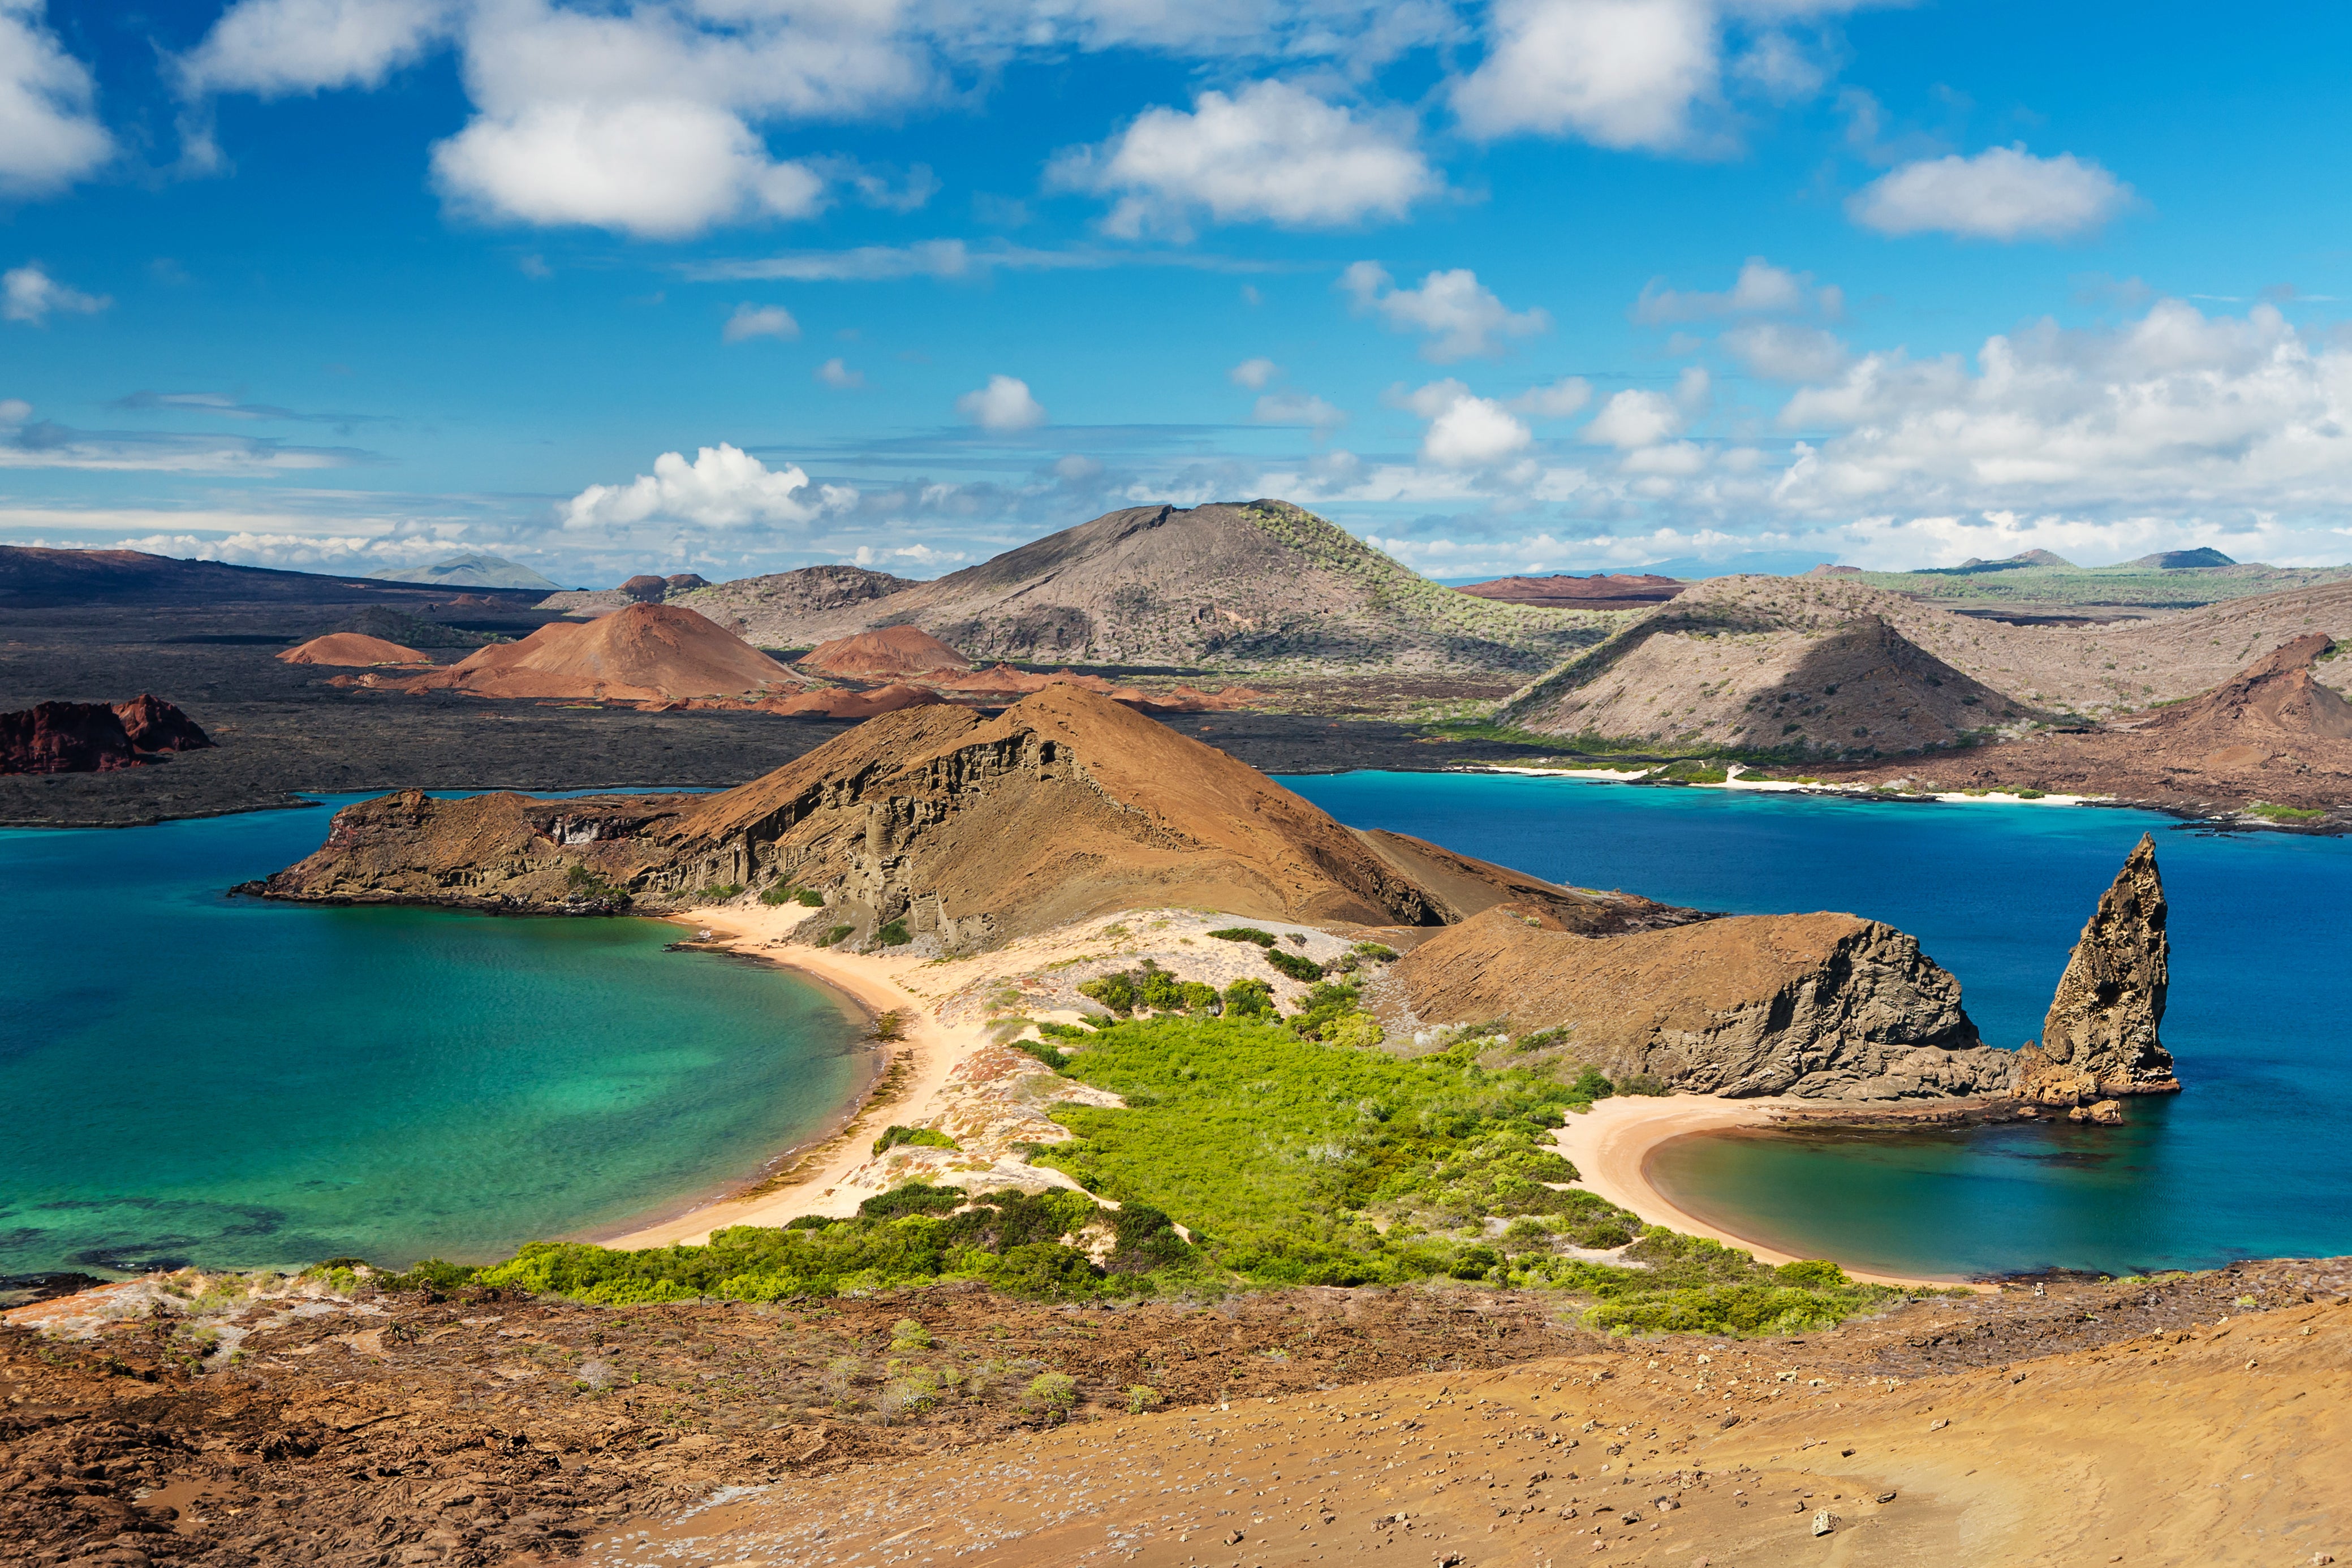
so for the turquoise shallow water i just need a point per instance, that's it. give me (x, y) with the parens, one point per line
(188, 1076)
(2250, 1161)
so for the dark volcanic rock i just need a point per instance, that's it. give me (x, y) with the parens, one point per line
(65, 738)
(2100, 1037)
(646, 588)
(155, 725)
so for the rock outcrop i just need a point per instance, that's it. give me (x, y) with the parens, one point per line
(94, 737)
(1821, 1006)
(2099, 1040)
(962, 830)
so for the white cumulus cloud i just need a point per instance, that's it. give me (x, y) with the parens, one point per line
(662, 169)
(1270, 153)
(49, 131)
(30, 295)
(1461, 316)
(834, 373)
(2002, 193)
(276, 46)
(1465, 431)
(760, 322)
(723, 487)
(1761, 288)
(1003, 405)
(1786, 351)
(1634, 419)
(1620, 73)
(1253, 374)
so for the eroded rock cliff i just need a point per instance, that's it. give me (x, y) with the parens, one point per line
(1823, 1006)
(2099, 1039)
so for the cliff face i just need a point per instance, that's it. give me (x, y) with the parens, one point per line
(2100, 1037)
(968, 831)
(1822, 1006)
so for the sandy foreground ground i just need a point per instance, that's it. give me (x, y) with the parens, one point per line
(2220, 1444)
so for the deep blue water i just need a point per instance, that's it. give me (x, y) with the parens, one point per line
(2250, 1161)
(185, 1075)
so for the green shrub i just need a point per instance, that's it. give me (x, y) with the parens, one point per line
(914, 1197)
(1052, 1056)
(921, 1137)
(719, 893)
(1116, 991)
(1357, 1031)
(1246, 933)
(1643, 1083)
(2263, 808)
(1249, 999)
(779, 894)
(1375, 951)
(1052, 1393)
(1294, 966)
(909, 1335)
(810, 897)
(1322, 1007)
(894, 934)
(1065, 1031)
(836, 934)
(1142, 1398)
(1591, 1084)
(1198, 998)
(431, 1275)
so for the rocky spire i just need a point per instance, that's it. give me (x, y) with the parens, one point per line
(2100, 1037)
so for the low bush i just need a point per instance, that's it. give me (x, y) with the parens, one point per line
(836, 934)
(1643, 1083)
(919, 1137)
(779, 894)
(894, 934)
(810, 897)
(1065, 1031)
(1294, 966)
(1052, 1056)
(720, 892)
(1246, 933)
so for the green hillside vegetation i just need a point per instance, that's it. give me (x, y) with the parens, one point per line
(1289, 1160)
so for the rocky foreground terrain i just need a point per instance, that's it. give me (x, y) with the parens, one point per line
(2197, 1417)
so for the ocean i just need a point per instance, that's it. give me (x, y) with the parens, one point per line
(2250, 1161)
(188, 1077)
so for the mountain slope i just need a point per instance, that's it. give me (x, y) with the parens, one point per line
(1716, 669)
(474, 571)
(1233, 585)
(647, 652)
(968, 831)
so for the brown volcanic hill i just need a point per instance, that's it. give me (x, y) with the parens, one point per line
(1712, 669)
(643, 653)
(1231, 584)
(94, 737)
(2097, 670)
(353, 650)
(2272, 734)
(1824, 1006)
(1598, 592)
(885, 655)
(808, 590)
(969, 830)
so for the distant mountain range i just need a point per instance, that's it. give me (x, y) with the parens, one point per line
(468, 571)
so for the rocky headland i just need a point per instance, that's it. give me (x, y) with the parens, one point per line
(2100, 1038)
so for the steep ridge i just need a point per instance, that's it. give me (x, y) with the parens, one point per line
(647, 652)
(966, 831)
(885, 655)
(1717, 668)
(353, 650)
(2276, 695)
(1821, 1006)
(1222, 584)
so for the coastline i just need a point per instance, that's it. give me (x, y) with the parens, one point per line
(1611, 1147)
(908, 1074)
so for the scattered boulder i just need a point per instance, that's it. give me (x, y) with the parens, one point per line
(94, 737)
(2099, 1039)
(2105, 1114)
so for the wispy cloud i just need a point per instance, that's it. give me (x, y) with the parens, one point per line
(946, 260)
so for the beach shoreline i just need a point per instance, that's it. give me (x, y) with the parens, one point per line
(1612, 1147)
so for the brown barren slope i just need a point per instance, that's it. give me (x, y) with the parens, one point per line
(643, 653)
(2272, 734)
(1821, 1006)
(1598, 592)
(969, 830)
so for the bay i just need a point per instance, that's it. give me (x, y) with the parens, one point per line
(2250, 1161)
(188, 1077)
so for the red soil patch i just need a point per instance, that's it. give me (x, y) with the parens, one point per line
(352, 650)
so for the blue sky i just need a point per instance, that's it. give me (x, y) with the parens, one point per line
(739, 285)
